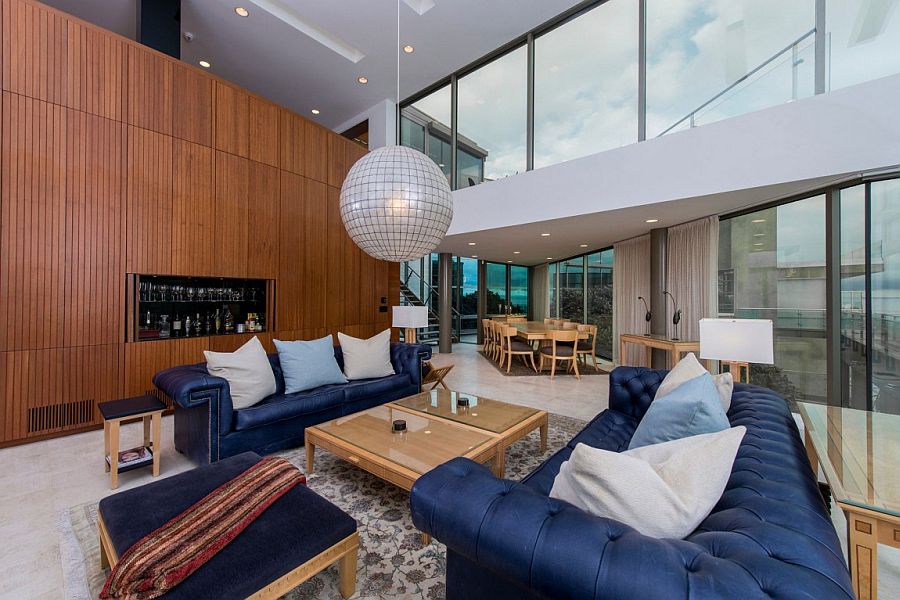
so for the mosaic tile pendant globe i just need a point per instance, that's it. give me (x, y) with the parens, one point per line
(396, 204)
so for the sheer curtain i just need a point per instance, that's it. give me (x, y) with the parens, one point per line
(692, 262)
(631, 278)
(540, 293)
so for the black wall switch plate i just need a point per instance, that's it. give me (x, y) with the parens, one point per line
(382, 309)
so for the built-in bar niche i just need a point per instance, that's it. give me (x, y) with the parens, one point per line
(172, 307)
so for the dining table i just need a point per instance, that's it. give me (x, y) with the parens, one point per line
(538, 330)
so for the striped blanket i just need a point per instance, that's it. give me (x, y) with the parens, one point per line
(167, 556)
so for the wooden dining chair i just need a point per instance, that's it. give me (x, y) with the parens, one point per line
(488, 331)
(548, 321)
(517, 319)
(588, 347)
(499, 351)
(557, 352)
(515, 347)
(570, 325)
(557, 322)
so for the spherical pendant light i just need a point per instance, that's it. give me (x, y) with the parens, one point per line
(396, 204)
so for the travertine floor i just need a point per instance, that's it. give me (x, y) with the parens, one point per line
(39, 480)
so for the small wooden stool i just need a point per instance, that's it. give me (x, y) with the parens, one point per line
(148, 408)
(436, 375)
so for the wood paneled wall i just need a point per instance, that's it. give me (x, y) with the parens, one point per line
(117, 159)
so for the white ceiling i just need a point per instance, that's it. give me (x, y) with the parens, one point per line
(602, 229)
(267, 55)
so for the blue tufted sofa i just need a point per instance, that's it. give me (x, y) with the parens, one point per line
(769, 536)
(208, 429)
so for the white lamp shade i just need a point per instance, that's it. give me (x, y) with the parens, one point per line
(737, 340)
(410, 316)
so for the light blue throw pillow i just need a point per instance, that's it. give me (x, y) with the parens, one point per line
(308, 364)
(693, 408)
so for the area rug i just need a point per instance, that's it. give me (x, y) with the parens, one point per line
(517, 369)
(393, 562)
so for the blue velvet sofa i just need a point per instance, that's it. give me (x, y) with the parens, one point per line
(208, 429)
(769, 536)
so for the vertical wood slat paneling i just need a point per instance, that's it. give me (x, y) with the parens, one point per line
(264, 134)
(95, 219)
(32, 224)
(262, 221)
(342, 154)
(291, 269)
(292, 142)
(232, 123)
(149, 90)
(148, 173)
(315, 240)
(232, 177)
(193, 210)
(335, 282)
(144, 359)
(193, 106)
(315, 151)
(230, 343)
(34, 51)
(96, 72)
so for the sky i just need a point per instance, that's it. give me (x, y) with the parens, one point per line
(586, 72)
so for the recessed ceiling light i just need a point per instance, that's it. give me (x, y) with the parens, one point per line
(409, 49)
(474, 256)
(362, 79)
(241, 11)
(516, 252)
(205, 64)
(545, 235)
(582, 245)
(652, 221)
(759, 235)
(549, 258)
(758, 244)
(471, 243)
(315, 111)
(758, 221)
(509, 261)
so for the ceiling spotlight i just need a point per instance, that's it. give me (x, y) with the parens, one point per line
(549, 258)
(362, 79)
(759, 235)
(315, 111)
(516, 252)
(652, 221)
(205, 64)
(545, 235)
(758, 221)
(509, 261)
(471, 243)
(758, 244)
(474, 256)
(408, 49)
(582, 246)
(241, 11)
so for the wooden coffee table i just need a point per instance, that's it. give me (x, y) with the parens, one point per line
(365, 439)
(508, 423)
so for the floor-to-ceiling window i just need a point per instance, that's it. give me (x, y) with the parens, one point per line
(884, 249)
(465, 298)
(518, 289)
(425, 125)
(580, 289)
(772, 266)
(491, 120)
(854, 390)
(495, 288)
(586, 84)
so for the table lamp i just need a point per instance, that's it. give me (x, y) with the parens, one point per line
(737, 343)
(410, 317)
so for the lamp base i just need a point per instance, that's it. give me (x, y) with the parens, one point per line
(409, 335)
(739, 370)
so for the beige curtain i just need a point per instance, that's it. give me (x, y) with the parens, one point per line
(692, 259)
(540, 293)
(631, 278)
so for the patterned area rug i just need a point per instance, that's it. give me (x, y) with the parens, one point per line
(517, 369)
(393, 562)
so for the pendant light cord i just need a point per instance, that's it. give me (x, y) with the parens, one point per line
(398, 53)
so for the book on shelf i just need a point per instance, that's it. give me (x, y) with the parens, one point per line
(134, 457)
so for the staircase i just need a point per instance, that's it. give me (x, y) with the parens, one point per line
(430, 334)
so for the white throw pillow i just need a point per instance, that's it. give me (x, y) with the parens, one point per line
(663, 490)
(688, 368)
(367, 359)
(247, 371)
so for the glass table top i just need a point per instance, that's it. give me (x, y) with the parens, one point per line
(858, 452)
(483, 413)
(426, 444)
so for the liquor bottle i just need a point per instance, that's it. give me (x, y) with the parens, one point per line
(229, 321)
(197, 326)
(176, 326)
(208, 324)
(218, 322)
(148, 322)
(188, 325)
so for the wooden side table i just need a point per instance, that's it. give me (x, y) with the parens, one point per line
(115, 412)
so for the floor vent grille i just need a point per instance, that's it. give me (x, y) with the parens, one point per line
(55, 416)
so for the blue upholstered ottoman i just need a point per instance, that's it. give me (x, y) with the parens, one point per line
(295, 538)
